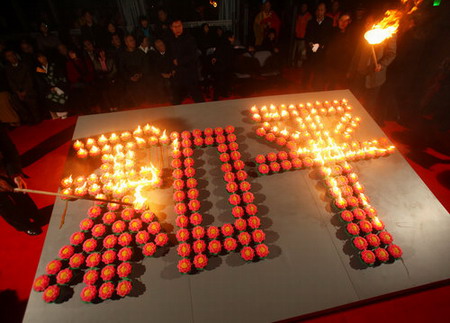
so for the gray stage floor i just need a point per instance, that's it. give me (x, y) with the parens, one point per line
(309, 268)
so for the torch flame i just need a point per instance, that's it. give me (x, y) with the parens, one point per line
(384, 29)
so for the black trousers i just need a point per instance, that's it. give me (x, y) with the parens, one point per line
(186, 84)
(19, 210)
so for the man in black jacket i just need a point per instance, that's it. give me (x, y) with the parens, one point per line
(17, 209)
(223, 66)
(185, 58)
(132, 67)
(318, 33)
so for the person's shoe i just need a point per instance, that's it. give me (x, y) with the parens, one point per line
(33, 232)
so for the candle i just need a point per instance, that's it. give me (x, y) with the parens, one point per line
(256, 117)
(90, 142)
(67, 182)
(94, 151)
(81, 191)
(130, 145)
(106, 149)
(82, 153)
(156, 131)
(93, 178)
(102, 140)
(94, 189)
(77, 145)
(106, 158)
(141, 143)
(138, 132)
(66, 191)
(113, 139)
(80, 180)
(147, 129)
(125, 136)
(164, 139)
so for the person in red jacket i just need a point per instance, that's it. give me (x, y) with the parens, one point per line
(81, 75)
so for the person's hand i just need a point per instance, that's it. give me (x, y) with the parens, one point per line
(20, 182)
(276, 50)
(4, 186)
(378, 67)
(175, 62)
(53, 89)
(213, 61)
(135, 78)
(166, 75)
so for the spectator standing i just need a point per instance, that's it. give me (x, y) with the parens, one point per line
(20, 82)
(185, 59)
(299, 51)
(47, 42)
(366, 76)
(143, 30)
(18, 209)
(52, 87)
(27, 54)
(265, 20)
(132, 66)
(116, 48)
(88, 49)
(106, 75)
(335, 12)
(111, 30)
(223, 66)
(80, 74)
(318, 33)
(91, 31)
(165, 71)
(340, 52)
(8, 114)
(162, 26)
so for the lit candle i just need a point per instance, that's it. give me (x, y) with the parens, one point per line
(256, 117)
(77, 145)
(82, 153)
(147, 129)
(81, 191)
(107, 158)
(130, 145)
(94, 189)
(138, 132)
(94, 151)
(106, 149)
(141, 143)
(164, 139)
(90, 142)
(254, 109)
(113, 139)
(67, 182)
(156, 131)
(66, 191)
(93, 178)
(80, 180)
(102, 140)
(125, 136)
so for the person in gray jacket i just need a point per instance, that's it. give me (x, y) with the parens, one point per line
(367, 76)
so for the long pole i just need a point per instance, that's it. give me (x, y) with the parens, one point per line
(374, 56)
(67, 196)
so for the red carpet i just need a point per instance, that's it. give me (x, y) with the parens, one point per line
(44, 148)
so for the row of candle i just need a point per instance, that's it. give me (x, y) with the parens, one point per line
(283, 112)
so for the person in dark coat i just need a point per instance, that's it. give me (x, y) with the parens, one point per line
(144, 30)
(91, 31)
(340, 52)
(18, 209)
(318, 33)
(185, 58)
(20, 81)
(132, 66)
(223, 66)
(162, 25)
(165, 71)
(106, 76)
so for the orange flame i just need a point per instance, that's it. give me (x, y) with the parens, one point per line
(384, 29)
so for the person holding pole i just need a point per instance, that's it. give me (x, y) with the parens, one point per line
(18, 209)
(368, 69)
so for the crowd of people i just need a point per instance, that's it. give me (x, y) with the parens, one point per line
(108, 69)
